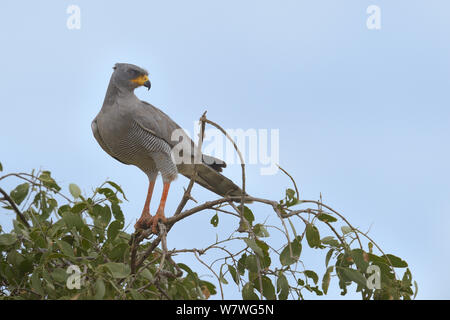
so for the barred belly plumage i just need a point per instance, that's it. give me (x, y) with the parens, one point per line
(148, 152)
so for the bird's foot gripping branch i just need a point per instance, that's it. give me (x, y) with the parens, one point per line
(75, 246)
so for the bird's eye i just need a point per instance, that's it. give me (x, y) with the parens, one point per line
(133, 73)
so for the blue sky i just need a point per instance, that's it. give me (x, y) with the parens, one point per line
(363, 114)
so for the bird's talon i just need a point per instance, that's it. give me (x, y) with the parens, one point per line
(144, 222)
(155, 220)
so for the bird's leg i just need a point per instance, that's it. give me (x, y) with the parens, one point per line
(146, 219)
(160, 213)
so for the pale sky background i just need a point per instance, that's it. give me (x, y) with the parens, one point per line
(363, 114)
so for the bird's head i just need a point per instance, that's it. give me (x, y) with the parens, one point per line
(130, 77)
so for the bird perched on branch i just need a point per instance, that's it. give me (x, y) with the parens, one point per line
(137, 133)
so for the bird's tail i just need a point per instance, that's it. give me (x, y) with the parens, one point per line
(209, 178)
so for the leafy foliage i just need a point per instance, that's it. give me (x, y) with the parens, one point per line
(58, 239)
(85, 240)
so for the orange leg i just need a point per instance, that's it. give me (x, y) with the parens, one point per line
(160, 213)
(145, 219)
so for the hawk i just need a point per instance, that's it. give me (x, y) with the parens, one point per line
(137, 133)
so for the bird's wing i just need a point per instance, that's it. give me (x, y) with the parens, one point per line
(161, 125)
(156, 122)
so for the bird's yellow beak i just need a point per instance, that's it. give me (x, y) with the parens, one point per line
(142, 80)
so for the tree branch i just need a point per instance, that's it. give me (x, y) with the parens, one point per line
(16, 210)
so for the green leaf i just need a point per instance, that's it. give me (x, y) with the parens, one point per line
(266, 261)
(326, 279)
(118, 188)
(147, 274)
(26, 266)
(241, 264)
(376, 259)
(396, 261)
(74, 190)
(59, 275)
(1, 167)
(331, 241)
(386, 271)
(248, 214)
(79, 207)
(312, 275)
(209, 285)
(267, 286)
(315, 289)
(185, 268)
(113, 229)
(52, 203)
(99, 289)
(248, 292)
(15, 258)
(48, 181)
(312, 236)
(234, 274)
(416, 289)
(353, 275)
(73, 220)
(118, 252)
(251, 264)
(36, 283)
(87, 240)
(328, 257)
(104, 215)
(286, 258)
(109, 194)
(20, 229)
(346, 229)
(264, 246)
(359, 258)
(139, 296)
(8, 239)
(290, 194)
(65, 248)
(260, 231)
(407, 279)
(117, 213)
(63, 209)
(215, 220)
(222, 279)
(282, 287)
(326, 218)
(20, 192)
(117, 270)
(252, 244)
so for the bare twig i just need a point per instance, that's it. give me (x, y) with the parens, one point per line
(293, 181)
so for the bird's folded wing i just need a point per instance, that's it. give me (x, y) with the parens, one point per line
(157, 122)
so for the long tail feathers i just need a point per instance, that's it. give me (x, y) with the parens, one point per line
(211, 179)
